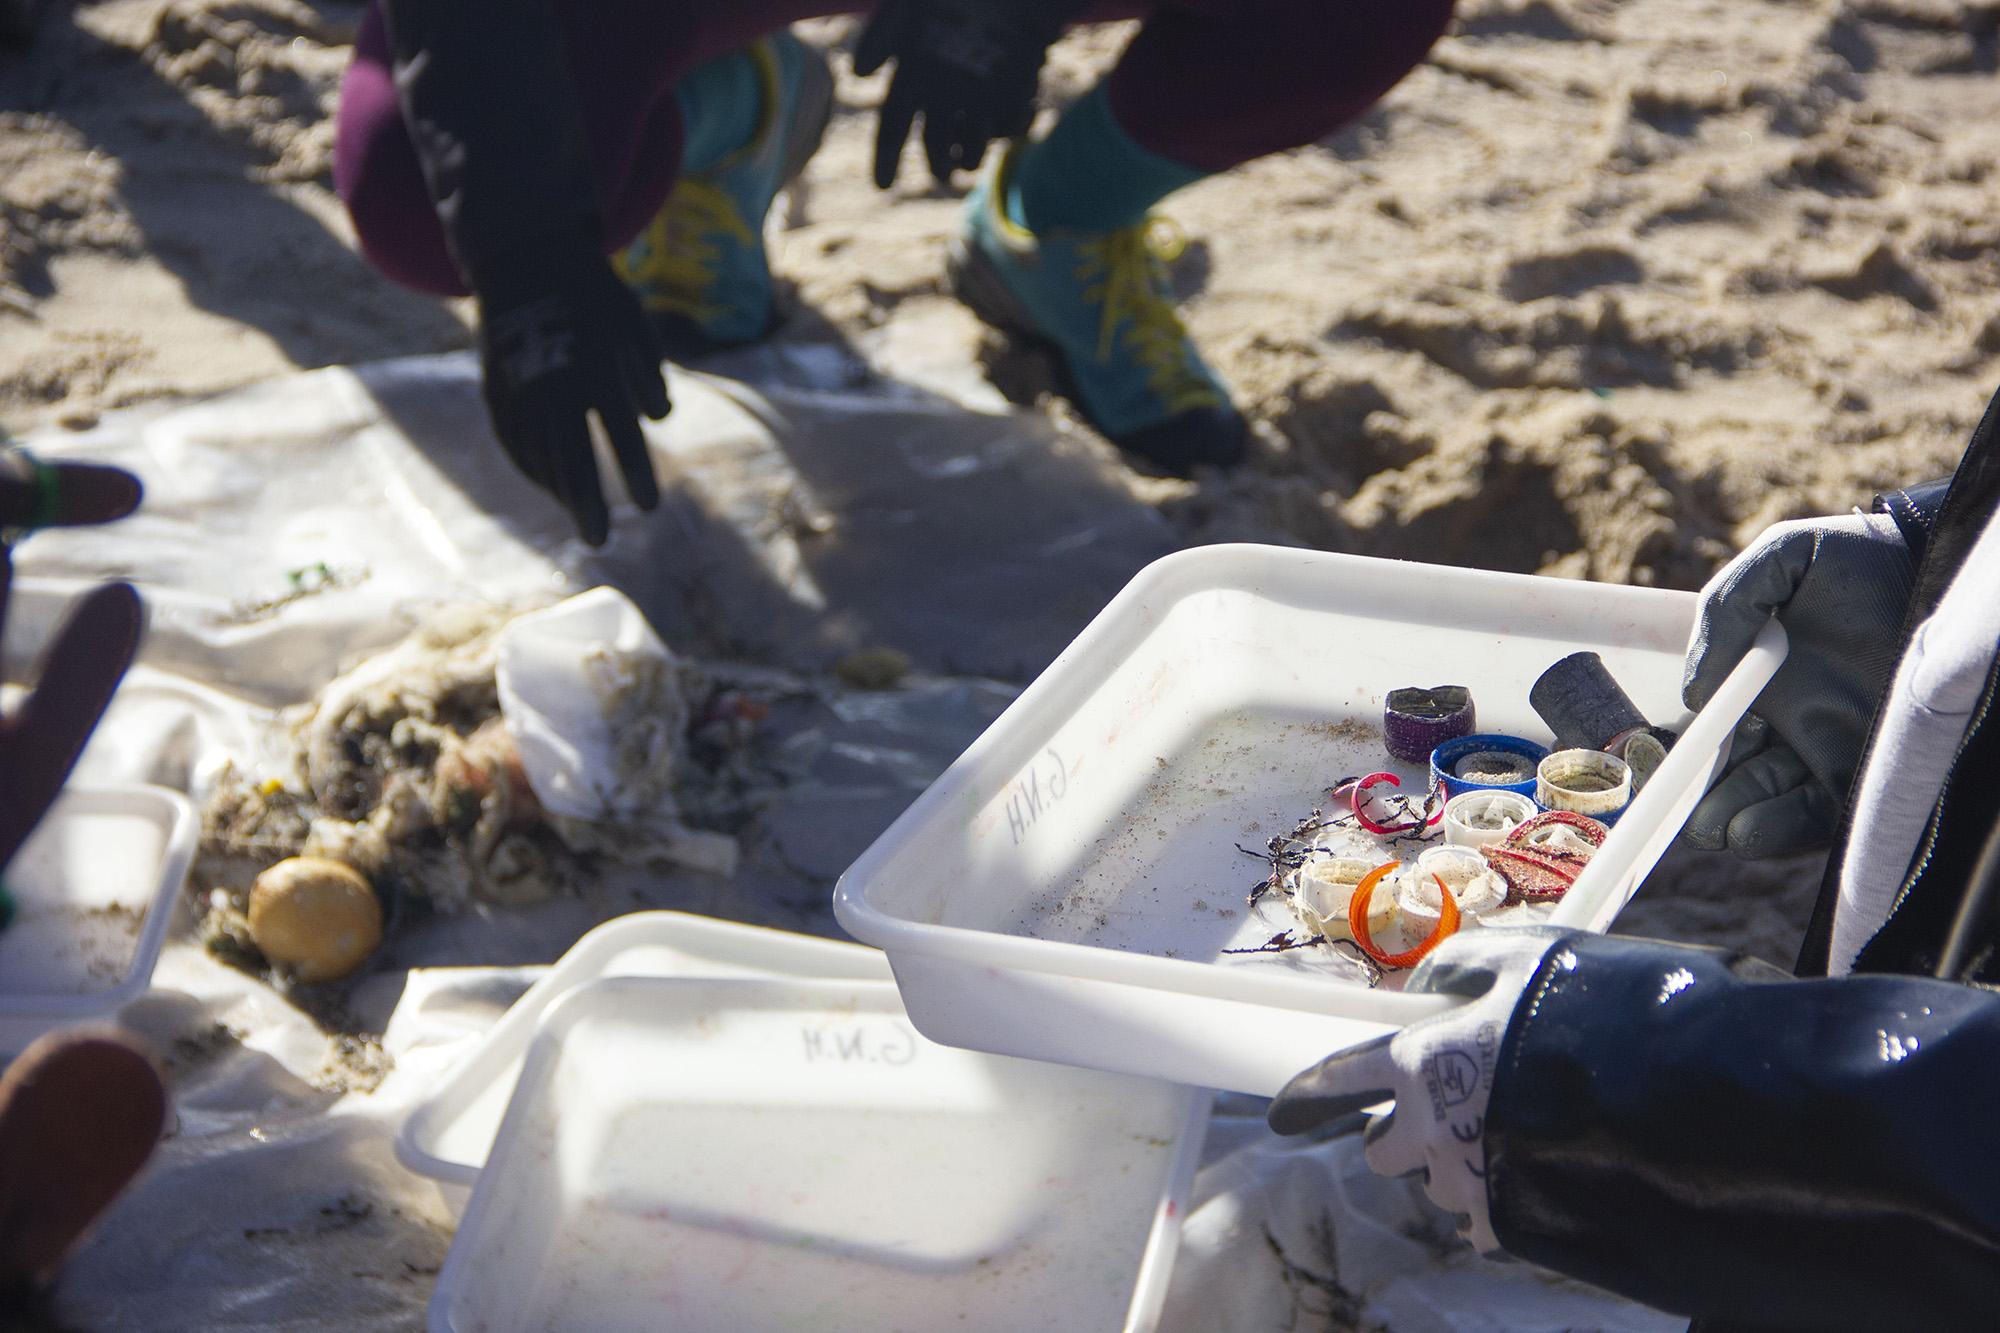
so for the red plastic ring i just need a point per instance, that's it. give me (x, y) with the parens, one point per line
(1355, 793)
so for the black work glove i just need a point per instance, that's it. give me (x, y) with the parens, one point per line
(970, 67)
(561, 337)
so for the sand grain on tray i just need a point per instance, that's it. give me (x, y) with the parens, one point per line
(1601, 290)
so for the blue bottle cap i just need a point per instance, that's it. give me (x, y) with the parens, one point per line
(1487, 762)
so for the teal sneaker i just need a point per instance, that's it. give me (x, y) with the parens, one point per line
(1102, 303)
(699, 267)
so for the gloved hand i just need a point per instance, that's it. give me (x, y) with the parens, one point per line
(1439, 1071)
(41, 739)
(1840, 587)
(560, 337)
(37, 494)
(970, 67)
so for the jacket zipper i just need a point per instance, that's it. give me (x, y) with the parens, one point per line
(1923, 860)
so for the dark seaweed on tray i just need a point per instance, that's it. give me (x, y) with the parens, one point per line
(1288, 851)
(1285, 942)
(1282, 942)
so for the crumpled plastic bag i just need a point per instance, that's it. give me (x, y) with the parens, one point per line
(598, 708)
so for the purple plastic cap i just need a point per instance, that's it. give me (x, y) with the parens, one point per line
(1416, 720)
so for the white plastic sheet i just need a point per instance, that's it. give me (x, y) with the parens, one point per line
(813, 508)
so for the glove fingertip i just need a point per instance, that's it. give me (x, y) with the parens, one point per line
(1300, 1113)
(118, 601)
(636, 462)
(1287, 1118)
(1800, 821)
(645, 386)
(1465, 980)
(1708, 665)
(888, 157)
(1703, 837)
(593, 524)
(1349, 1080)
(871, 52)
(972, 154)
(1707, 828)
(1696, 690)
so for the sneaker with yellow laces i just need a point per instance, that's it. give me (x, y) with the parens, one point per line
(699, 267)
(1102, 303)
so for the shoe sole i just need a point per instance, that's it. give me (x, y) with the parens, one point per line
(974, 281)
(981, 289)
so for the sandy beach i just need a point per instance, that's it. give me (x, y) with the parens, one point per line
(1602, 290)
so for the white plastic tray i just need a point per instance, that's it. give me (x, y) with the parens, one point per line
(448, 1134)
(94, 889)
(735, 1155)
(1066, 889)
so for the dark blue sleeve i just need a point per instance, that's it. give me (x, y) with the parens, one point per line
(1704, 1133)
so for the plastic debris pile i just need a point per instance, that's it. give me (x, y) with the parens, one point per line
(1503, 830)
(489, 758)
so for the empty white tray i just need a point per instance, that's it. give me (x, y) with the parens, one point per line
(94, 889)
(723, 1156)
(449, 1133)
(1066, 889)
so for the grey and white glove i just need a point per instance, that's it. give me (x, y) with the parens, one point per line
(1840, 587)
(1439, 1071)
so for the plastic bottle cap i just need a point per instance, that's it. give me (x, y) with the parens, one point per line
(1473, 885)
(1589, 782)
(1486, 762)
(1417, 719)
(1643, 754)
(1481, 818)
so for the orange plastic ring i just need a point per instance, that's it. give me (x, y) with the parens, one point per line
(1357, 920)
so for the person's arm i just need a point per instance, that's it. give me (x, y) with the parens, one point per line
(1708, 1135)
(491, 106)
(1699, 1131)
(492, 110)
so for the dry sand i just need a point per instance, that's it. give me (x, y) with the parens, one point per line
(1599, 291)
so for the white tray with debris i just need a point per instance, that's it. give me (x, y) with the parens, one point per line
(448, 1135)
(741, 1154)
(94, 890)
(1068, 888)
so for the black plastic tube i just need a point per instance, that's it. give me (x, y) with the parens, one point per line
(1583, 705)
